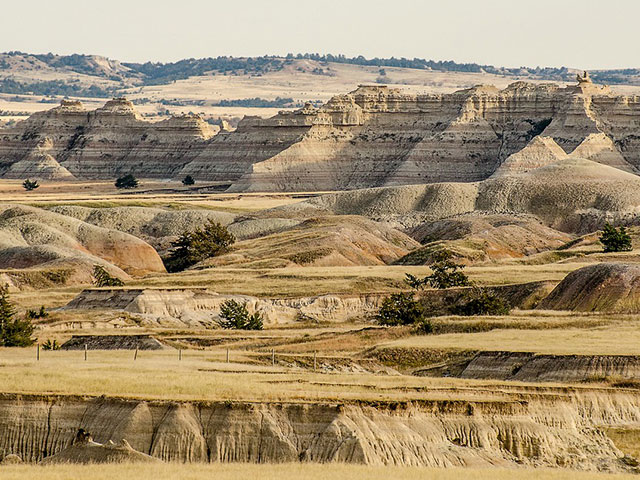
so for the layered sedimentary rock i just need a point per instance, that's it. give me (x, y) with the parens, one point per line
(554, 430)
(572, 195)
(377, 136)
(104, 143)
(32, 238)
(531, 367)
(201, 307)
(605, 287)
(373, 136)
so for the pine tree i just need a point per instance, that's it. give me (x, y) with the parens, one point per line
(7, 310)
(235, 315)
(190, 248)
(188, 180)
(615, 240)
(13, 332)
(101, 278)
(30, 185)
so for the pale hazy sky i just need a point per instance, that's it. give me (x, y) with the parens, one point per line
(574, 33)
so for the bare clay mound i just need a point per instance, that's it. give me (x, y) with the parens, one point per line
(573, 195)
(87, 451)
(322, 241)
(34, 238)
(402, 206)
(482, 237)
(156, 226)
(605, 287)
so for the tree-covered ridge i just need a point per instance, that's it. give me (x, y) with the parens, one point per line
(155, 73)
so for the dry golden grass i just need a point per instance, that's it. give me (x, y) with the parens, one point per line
(151, 193)
(620, 339)
(205, 376)
(626, 439)
(285, 471)
(303, 281)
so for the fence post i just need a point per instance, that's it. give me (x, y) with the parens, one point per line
(135, 355)
(227, 355)
(273, 357)
(179, 354)
(85, 352)
(38, 353)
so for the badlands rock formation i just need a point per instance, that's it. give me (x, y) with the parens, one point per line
(605, 287)
(478, 237)
(558, 429)
(32, 238)
(199, 307)
(69, 140)
(88, 451)
(153, 225)
(322, 241)
(531, 367)
(572, 195)
(373, 136)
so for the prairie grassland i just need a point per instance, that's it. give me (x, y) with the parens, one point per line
(295, 471)
(303, 281)
(205, 376)
(151, 193)
(626, 439)
(620, 339)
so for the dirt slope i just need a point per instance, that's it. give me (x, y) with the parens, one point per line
(551, 432)
(322, 241)
(605, 287)
(34, 238)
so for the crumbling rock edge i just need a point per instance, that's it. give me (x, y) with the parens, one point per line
(558, 429)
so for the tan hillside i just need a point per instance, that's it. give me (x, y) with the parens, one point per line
(481, 237)
(322, 241)
(155, 226)
(572, 195)
(34, 238)
(605, 287)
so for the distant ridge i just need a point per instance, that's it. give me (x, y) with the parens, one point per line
(126, 74)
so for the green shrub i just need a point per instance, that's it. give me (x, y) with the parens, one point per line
(235, 315)
(445, 273)
(400, 309)
(615, 240)
(482, 301)
(49, 345)
(188, 180)
(191, 248)
(13, 331)
(423, 327)
(102, 278)
(33, 314)
(128, 181)
(30, 185)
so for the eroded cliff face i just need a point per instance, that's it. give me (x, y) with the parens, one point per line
(70, 141)
(201, 307)
(531, 367)
(373, 136)
(378, 136)
(552, 430)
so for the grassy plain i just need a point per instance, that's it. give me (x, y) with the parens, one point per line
(620, 339)
(205, 376)
(286, 471)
